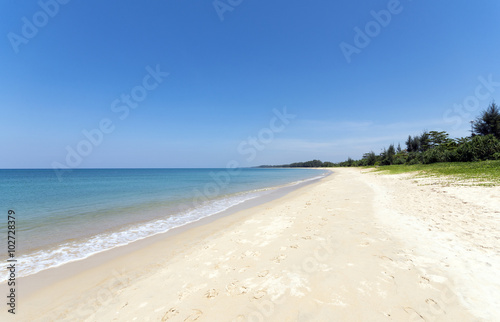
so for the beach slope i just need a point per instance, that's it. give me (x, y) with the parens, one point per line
(355, 246)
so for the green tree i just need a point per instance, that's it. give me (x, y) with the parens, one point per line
(438, 138)
(387, 155)
(409, 144)
(424, 142)
(462, 140)
(413, 144)
(369, 158)
(488, 122)
(391, 152)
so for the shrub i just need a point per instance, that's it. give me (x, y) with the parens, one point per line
(432, 156)
(400, 159)
(414, 158)
(451, 155)
(479, 148)
(413, 161)
(439, 154)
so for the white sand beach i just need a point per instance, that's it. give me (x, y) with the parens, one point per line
(355, 246)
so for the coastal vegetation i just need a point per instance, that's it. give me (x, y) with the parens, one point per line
(432, 147)
(479, 172)
(307, 164)
(436, 146)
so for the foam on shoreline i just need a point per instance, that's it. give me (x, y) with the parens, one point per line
(80, 249)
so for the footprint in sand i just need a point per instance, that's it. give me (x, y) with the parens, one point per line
(279, 258)
(194, 316)
(413, 313)
(233, 288)
(424, 281)
(388, 275)
(435, 305)
(170, 314)
(249, 253)
(210, 294)
(384, 257)
(430, 301)
(188, 289)
(259, 294)
(263, 273)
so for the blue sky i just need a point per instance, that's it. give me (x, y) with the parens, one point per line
(423, 65)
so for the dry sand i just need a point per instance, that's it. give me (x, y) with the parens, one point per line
(353, 247)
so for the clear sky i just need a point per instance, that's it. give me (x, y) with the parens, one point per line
(356, 75)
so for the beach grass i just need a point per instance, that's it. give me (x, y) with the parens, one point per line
(484, 173)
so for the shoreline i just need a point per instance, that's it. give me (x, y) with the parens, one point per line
(81, 248)
(53, 275)
(335, 249)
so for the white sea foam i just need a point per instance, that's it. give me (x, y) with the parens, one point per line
(77, 250)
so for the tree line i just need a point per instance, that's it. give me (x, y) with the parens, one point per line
(307, 164)
(432, 146)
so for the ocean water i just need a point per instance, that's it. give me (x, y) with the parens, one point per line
(92, 210)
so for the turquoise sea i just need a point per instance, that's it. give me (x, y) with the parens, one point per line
(88, 211)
